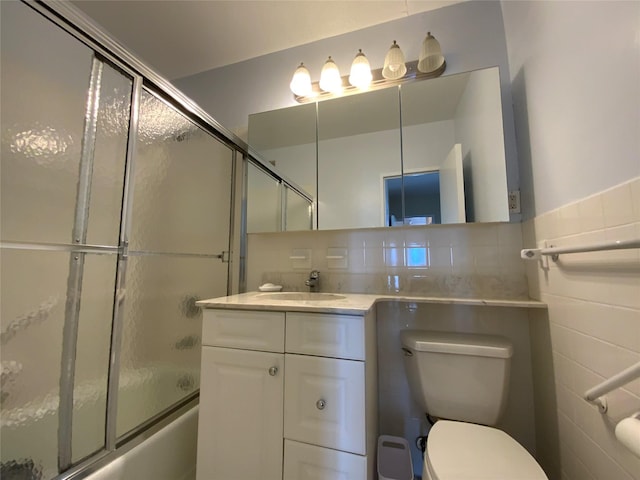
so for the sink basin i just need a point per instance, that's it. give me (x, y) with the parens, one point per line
(301, 296)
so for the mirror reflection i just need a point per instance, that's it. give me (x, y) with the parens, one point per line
(358, 146)
(426, 152)
(453, 125)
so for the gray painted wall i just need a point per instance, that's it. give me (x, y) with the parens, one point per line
(575, 73)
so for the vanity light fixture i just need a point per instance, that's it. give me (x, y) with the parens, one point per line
(360, 76)
(431, 58)
(301, 81)
(394, 65)
(396, 71)
(330, 80)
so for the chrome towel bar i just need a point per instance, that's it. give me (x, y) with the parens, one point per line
(554, 252)
(595, 395)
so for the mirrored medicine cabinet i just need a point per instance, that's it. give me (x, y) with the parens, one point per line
(426, 152)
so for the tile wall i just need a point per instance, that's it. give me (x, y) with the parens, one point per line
(592, 332)
(475, 260)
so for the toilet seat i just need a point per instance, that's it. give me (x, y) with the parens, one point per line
(458, 450)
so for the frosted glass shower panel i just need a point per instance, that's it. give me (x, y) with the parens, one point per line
(160, 359)
(264, 202)
(109, 157)
(92, 354)
(182, 184)
(32, 312)
(45, 77)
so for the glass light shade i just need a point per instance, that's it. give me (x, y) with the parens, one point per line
(360, 71)
(330, 80)
(431, 55)
(301, 81)
(394, 65)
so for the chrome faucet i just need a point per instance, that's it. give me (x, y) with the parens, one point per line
(314, 281)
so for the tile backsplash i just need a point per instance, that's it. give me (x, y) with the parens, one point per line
(471, 260)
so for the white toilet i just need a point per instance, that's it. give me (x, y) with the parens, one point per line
(463, 380)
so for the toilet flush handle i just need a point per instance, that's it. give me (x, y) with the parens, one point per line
(407, 352)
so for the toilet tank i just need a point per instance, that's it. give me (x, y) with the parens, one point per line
(458, 376)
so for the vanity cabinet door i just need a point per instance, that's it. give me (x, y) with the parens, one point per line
(324, 402)
(308, 462)
(241, 420)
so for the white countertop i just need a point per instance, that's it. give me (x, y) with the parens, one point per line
(352, 303)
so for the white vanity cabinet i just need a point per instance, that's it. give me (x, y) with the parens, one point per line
(241, 396)
(321, 425)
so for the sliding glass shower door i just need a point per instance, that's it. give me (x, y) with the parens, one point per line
(115, 220)
(178, 249)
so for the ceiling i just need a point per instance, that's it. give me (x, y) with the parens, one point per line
(178, 38)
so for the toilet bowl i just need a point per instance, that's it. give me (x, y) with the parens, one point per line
(462, 380)
(460, 450)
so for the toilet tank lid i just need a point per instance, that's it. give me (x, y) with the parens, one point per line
(457, 343)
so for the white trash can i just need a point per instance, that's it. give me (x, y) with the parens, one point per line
(394, 458)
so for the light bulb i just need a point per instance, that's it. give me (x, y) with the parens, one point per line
(301, 82)
(330, 80)
(360, 71)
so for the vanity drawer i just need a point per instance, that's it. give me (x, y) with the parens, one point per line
(324, 402)
(309, 462)
(340, 336)
(245, 329)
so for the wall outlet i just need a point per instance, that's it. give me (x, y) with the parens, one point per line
(514, 201)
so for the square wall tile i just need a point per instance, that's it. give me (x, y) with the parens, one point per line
(618, 205)
(635, 198)
(591, 213)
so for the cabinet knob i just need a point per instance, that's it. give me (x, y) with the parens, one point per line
(273, 371)
(320, 404)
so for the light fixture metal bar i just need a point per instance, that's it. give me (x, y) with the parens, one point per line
(377, 82)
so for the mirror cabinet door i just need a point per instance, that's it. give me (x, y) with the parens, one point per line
(358, 147)
(453, 149)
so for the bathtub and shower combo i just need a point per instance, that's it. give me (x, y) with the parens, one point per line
(118, 213)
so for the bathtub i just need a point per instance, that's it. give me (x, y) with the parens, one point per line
(30, 432)
(169, 454)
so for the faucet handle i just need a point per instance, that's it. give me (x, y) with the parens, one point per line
(315, 274)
